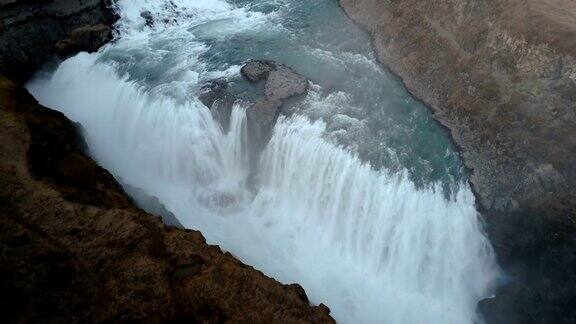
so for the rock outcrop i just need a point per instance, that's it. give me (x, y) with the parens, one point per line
(501, 76)
(73, 248)
(32, 32)
(216, 96)
(280, 83)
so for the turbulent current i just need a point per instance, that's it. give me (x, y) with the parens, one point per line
(358, 196)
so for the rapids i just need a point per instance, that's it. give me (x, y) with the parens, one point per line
(359, 195)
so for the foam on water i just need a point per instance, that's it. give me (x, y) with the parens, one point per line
(367, 242)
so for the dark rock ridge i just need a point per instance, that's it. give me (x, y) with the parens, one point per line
(280, 83)
(501, 76)
(33, 31)
(73, 247)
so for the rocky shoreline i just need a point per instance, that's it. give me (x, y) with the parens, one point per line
(73, 246)
(501, 76)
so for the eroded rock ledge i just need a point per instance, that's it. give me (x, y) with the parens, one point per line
(73, 248)
(280, 83)
(501, 76)
(33, 31)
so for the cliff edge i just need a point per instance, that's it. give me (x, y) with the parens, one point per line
(501, 76)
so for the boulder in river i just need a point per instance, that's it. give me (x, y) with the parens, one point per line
(261, 117)
(256, 70)
(283, 83)
(211, 91)
(280, 83)
(216, 96)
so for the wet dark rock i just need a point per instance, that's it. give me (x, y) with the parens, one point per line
(261, 117)
(280, 83)
(211, 91)
(283, 83)
(216, 96)
(257, 70)
(222, 111)
(32, 32)
(148, 19)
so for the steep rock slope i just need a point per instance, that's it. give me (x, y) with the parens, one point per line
(501, 76)
(74, 248)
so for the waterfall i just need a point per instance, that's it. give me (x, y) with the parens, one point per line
(366, 241)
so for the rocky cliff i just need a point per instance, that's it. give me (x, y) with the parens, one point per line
(501, 76)
(73, 247)
(33, 32)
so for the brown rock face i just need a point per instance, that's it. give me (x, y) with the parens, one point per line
(33, 31)
(501, 75)
(73, 248)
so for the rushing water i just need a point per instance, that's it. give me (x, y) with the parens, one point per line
(359, 195)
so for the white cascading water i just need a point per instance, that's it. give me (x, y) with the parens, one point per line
(367, 243)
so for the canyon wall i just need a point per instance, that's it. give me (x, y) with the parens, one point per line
(73, 246)
(501, 76)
